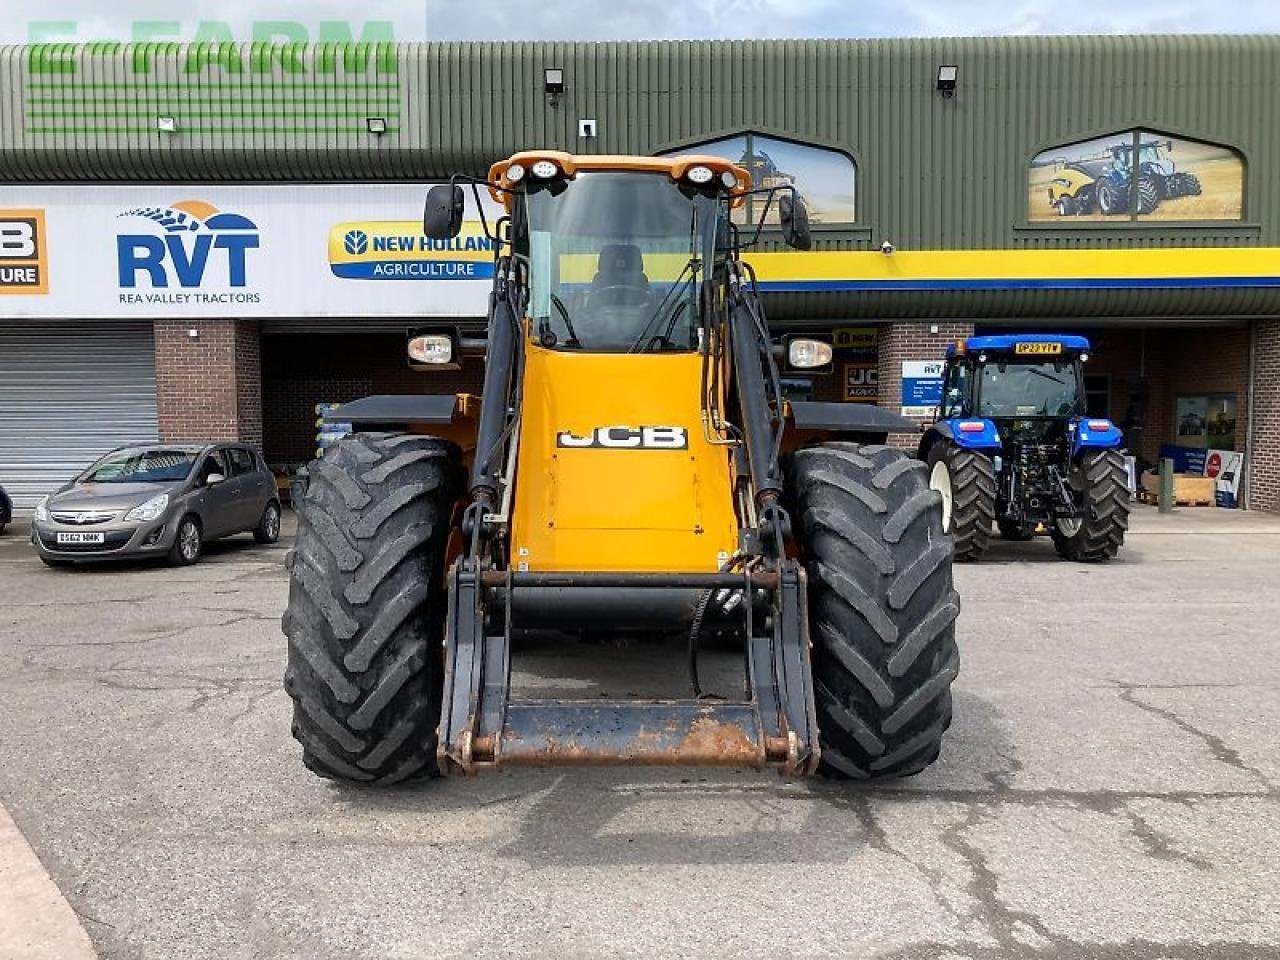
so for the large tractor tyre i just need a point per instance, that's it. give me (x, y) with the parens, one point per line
(366, 607)
(881, 607)
(1149, 194)
(1113, 199)
(1015, 532)
(1099, 534)
(966, 482)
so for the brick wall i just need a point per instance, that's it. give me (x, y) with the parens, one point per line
(299, 371)
(1264, 471)
(208, 387)
(911, 341)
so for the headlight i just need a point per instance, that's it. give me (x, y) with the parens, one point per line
(42, 509)
(515, 173)
(699, 174)
(150, 510)
(543, 170)
(435, 349)
(805, 354)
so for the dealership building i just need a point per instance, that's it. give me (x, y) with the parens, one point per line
(205, 242)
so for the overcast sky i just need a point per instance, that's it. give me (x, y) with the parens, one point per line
(644, 19)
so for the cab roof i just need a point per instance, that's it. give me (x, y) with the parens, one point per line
(1008, 341)
(571, 164)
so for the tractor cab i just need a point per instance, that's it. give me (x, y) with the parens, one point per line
(1013, 445)
(1027, 384)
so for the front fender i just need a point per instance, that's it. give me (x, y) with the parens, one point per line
(1094, 433)
(968, 433)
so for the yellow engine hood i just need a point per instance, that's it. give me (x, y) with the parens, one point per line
(614, 473)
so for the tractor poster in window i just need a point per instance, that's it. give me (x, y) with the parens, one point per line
(824, 179)
(1136, 175)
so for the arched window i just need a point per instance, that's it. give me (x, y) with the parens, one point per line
(1136, 175)
(825, 179)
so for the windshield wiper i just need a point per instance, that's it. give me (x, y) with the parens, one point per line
(573, 340)
(1047, 376)
(691, 268)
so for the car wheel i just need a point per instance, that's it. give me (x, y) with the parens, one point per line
(187, 543)
(268, 529)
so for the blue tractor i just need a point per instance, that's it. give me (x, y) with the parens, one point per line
(1013, 447)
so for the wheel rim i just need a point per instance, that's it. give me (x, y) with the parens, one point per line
(940, 480)
(1069, 526)
(272, 525)
(189, 538)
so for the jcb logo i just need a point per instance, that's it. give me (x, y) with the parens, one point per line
(22, 257)
(17, 239)
(627, 438)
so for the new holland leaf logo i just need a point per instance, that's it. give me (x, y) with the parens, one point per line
(356, 242)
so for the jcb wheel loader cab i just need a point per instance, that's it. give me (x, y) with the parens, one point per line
(1013, 445)
(634, 466)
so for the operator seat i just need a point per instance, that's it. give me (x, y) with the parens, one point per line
(620, 278)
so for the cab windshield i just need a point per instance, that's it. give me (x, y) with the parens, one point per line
(142, 466)
(1028, 390)
(617, 260)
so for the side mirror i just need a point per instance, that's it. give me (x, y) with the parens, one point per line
(794, 218)
(442, 218)
(213, 479)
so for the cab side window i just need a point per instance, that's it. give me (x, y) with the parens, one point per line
(955, 391)
(241, 461)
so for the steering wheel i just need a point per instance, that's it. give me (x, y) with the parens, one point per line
(619, 295)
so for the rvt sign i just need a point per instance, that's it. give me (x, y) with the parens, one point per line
(190, 245)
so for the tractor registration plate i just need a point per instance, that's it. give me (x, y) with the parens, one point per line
(1040, 348)
(80, 538)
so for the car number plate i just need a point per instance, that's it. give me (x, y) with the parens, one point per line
(1041, 348)
(81, 538)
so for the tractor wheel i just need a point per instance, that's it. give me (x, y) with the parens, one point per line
(1113, 200)
(1099, 534)
(967, 484)
(1066, 206)
(881, 607)
(1148, 194)
(366, 606)
(1015, 532)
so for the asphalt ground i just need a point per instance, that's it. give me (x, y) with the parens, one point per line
(1108, 789)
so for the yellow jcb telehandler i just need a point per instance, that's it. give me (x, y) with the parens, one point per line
(632, 463)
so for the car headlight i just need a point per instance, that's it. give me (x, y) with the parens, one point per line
(42, 509)
(149, 510)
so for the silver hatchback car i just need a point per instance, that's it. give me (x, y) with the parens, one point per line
(164, 500)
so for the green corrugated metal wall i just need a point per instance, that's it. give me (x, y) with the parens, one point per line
(933, 173)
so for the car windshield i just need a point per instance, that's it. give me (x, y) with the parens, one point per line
(616, 260)
(1028, 390)
(142, 466)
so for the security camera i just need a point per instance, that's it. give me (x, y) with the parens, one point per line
(886, 248)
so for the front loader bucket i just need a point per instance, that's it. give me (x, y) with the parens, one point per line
(481, 726)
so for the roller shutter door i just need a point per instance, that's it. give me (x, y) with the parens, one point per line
(69, 392)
